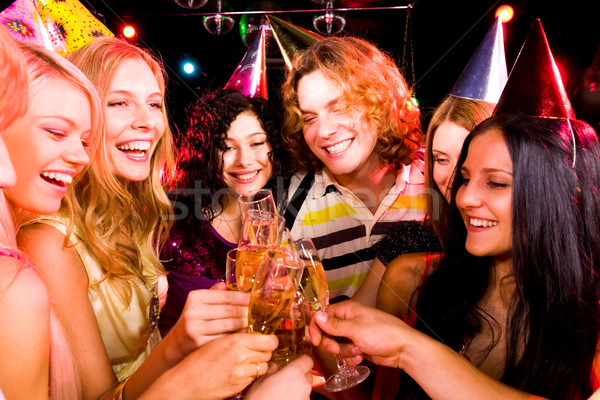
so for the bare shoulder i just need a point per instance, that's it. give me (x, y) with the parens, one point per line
(22, 291)
(401, 278)
(58, 264)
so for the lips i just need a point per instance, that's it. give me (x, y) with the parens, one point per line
(245, 176)
(339, 147)
(136, 150)
(482, 223)
(56, 178)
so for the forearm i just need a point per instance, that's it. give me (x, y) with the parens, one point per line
(160, 360)
(446, 374)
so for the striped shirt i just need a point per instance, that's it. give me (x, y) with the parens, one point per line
(343, 228)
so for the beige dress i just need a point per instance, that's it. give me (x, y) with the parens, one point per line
(125, 327)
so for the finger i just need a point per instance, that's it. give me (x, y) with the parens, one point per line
(203, 311)
(219, 297)
(217, 326)
(259, 368)
(314, 332)
(219, 286)
(303, 363)
(260, 343)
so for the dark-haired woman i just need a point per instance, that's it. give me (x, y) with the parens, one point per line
(513, 306)
(232, 145)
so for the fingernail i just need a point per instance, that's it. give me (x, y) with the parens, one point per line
(356, 351)
(321, 317)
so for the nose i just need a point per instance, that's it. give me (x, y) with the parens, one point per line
(245, 156)
(468, 196)
(76, 153)
(327, 126)
(8, 176)
(143, 118)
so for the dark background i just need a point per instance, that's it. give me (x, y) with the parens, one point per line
(443, 37)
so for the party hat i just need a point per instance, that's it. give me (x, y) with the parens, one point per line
(75, 24)
(535, 86)
(485, 75)
(291, 38)
(23, 22)
(250, 76)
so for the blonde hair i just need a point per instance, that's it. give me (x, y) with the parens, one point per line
(465, 113)
(114, 215)
(36, 66)
(370, 81)
(13, 105)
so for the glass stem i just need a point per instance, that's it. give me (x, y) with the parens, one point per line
(343, 368)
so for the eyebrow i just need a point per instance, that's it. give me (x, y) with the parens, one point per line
(127, 92)
(251, 135)
(329, 104)
(68, 121)
(490, 170)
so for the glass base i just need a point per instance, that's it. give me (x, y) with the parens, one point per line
(343, 380)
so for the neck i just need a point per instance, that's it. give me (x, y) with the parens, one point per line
(230, 208)
(369, 184)
(228, 222)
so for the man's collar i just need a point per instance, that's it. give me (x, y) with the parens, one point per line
(325, 181)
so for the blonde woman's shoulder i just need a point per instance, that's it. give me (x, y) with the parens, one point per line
(24, 332)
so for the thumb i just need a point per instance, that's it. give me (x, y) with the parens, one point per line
(219, 286)
(328, 324)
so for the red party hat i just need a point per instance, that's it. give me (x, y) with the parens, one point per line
(535, 86)
(250, 76)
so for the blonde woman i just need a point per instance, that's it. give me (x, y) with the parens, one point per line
(104, 273)
(45, 139)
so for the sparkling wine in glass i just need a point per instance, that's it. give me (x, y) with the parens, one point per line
(273, 291)
(313, 287)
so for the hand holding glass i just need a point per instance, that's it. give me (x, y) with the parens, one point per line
(313, 287)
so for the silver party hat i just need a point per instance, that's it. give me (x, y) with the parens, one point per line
(485, 75)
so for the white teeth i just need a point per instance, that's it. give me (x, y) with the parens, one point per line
(341, 146)
(482, 222)
(58, 176)
(139, 145)
(246, 177)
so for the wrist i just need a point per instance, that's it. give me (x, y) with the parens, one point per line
(412, 350)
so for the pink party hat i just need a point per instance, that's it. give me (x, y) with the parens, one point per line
(290, 38)
(535, 86)
(23, 22)
(250, 76)
(485, 75)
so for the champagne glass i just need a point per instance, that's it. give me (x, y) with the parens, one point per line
(230, 266)
(261, 199)
(313, 287)
(273, 291)
(261, 230)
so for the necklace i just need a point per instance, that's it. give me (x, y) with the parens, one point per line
(234, 234)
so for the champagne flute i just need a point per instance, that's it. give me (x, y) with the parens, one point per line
(273, 291)
(261, 199)
(261, 230)
(313, 287)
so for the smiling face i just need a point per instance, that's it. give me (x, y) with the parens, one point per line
(246, 165)
(47, 146)
(447, 143)
(485, 197)
(344, 143)
(134, 119)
